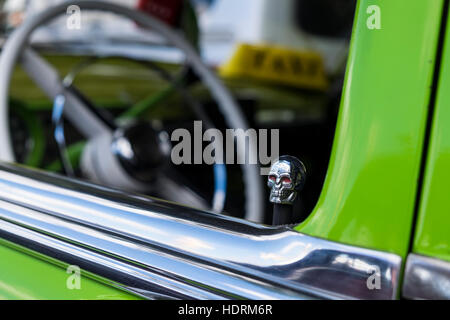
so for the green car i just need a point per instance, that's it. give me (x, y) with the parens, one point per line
(379, 228)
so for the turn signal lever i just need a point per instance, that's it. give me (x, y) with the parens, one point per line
(286, 179)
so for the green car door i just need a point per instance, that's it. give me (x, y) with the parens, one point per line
(369, 195)
(376, 174)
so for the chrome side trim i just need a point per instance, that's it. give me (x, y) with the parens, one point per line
(426, 278)
(164, 250)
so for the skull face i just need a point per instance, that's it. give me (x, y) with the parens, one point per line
(286, 177)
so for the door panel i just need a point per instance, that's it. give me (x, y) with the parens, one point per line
(370, 191)
(25, 276)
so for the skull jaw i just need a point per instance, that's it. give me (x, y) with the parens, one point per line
(286, 197)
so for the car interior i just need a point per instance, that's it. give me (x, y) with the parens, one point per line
(144, 86)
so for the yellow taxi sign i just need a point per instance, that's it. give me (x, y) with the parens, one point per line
(279, 65)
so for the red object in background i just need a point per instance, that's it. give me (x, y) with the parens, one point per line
(166, 10)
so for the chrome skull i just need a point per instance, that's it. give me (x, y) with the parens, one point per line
(286, 178)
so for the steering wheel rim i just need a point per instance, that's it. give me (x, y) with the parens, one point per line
(15, 49)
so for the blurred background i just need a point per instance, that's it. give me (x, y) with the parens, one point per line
(283, 60)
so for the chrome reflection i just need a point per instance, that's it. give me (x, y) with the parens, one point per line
(178, 251)
(426, 278)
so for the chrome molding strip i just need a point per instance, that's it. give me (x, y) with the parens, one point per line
(426, 278)
(150, 285)
(163, 250)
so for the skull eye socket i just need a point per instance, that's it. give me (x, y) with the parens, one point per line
(285, 180)
(272, 178)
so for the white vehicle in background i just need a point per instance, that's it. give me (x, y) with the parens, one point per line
(225, 25)
(290, 24)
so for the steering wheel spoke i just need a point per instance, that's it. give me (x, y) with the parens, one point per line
(76, 110)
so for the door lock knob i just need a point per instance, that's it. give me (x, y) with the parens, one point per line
(286, 179)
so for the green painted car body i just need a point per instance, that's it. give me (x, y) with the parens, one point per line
(388, 177)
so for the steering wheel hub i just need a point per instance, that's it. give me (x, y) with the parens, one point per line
(141, 150)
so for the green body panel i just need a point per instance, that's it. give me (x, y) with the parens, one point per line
(370, 189)
(432, 236)
(369, 194)
(26, 276)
